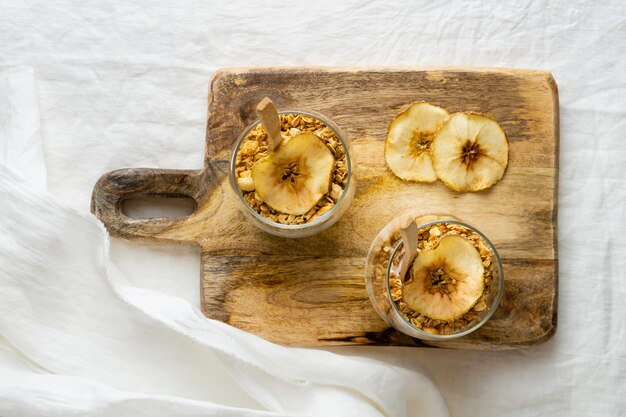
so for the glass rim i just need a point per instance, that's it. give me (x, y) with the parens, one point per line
(324, 217)
(472, 328)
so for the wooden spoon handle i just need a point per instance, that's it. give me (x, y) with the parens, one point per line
(409, 238)
(271, 123)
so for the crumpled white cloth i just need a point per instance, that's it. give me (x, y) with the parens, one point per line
(78, 340)
(123, 84)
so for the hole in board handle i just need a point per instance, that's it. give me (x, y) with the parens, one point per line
(158, 207)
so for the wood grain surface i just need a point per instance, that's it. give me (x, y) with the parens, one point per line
(311, 292)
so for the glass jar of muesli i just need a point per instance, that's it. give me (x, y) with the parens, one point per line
(435, 300)
(251, 147)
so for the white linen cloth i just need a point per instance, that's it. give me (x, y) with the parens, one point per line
(123, 84)
(64, 308)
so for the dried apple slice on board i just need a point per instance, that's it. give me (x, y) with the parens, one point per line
(294, 177)
(470, 152)
(446, 281)
(409, 138)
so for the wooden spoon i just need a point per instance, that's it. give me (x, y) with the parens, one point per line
(409, 238)
(271, 123)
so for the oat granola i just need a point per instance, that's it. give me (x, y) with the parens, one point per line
(254, 147)
(428, 239)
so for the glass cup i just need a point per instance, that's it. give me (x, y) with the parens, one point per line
(384, 261)
(316, 225)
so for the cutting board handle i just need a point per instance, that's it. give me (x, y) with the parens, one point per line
(116, 186)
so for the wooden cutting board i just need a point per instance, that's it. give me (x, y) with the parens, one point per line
(311, 292)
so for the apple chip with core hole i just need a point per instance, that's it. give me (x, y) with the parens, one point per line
(409, 138)
(470, 152)
(294, 177)
(447, 281)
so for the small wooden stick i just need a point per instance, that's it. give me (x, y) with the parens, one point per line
(409, 239)
(271, 123)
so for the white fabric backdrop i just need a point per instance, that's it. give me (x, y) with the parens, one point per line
(124, 85)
